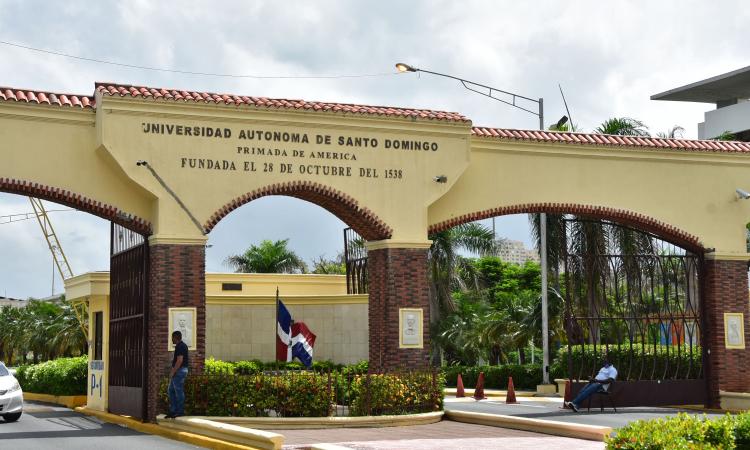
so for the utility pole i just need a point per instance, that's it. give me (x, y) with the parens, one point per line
(545, 315)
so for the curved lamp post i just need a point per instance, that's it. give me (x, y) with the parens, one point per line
(489, 91)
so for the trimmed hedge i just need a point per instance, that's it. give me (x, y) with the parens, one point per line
(643, 362)
(62, 376)
(253, 367)
(496, 377)
(309, 394)
(684, 432)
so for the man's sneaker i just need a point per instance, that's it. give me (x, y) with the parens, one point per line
(573, 406)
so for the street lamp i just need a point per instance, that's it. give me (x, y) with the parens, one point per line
(488, 91)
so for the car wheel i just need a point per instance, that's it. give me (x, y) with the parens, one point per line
(12, 417)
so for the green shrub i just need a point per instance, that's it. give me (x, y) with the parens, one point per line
(308, 394)
(391, 394)
(641, 362)
(496, 377)
(62, 376)
(218, 367)
(248, 367)
(684, 432)
(742, 431)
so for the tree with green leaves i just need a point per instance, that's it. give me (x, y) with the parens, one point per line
(324, 266)
(449, 270)
(267, 257)
(623, 126)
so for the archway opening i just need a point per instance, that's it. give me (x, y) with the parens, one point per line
(293, 242)
(615, 291)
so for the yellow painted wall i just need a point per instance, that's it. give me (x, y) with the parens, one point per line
(692, 191)
(93, 287)
(240, 325)
(95, 154)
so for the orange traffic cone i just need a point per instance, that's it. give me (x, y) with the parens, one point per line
(567, 397)
(510, 397)
(479, 390)
(460, 387)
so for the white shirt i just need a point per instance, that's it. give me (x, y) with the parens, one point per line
(606, 373)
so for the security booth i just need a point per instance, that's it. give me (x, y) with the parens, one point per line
(93, 288)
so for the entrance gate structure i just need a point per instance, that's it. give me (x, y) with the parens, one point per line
(170, 164)
(128, 322)
(635, 299)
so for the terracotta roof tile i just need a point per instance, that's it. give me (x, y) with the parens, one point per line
(45, 98)
(612, 140)
(113, 89)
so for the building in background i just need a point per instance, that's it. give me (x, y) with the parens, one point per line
(515, 252)
(15, 302)
(730, 93)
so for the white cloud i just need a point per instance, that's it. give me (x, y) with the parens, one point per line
(609, 58)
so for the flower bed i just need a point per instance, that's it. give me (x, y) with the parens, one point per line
(684, 432)
(310, 394)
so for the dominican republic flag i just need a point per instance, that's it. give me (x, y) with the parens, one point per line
(283, 332)
(303, 341)
(292, 339)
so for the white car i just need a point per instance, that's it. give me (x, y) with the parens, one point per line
(11, 396)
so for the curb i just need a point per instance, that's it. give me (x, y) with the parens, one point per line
(574, 430)
(150, 428)
(301, 423)
(68, 401)
(252, 438)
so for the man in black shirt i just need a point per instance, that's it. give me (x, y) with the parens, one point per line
(177, 377)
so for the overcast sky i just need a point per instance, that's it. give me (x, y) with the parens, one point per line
(609, 57)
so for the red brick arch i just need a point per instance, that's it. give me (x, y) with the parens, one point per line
(77, 201)
(346, 208)
(640, 221)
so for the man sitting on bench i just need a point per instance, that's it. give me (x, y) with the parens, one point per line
(606, 375)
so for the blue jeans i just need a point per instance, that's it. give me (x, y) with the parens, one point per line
(176, 392)
(587, 392)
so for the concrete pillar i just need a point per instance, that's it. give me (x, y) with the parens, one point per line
(177, 279)
(398, 285)
(725, 291)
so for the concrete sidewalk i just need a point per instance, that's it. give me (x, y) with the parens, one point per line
(551, 409)
(446, 435)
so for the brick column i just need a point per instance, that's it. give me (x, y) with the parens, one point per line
(177, 279)
(725, 291)
(397, 278)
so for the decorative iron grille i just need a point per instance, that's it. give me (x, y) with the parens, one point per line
(128, 318)
(123, 239)
(355, 257)
(632, 296)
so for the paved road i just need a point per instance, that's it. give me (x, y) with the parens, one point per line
(51, 427)
(549, 409)
(445, 435)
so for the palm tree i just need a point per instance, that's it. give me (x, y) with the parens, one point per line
(268, 257)
(676, 132)
(623, 126)
(448, 269)
(68, 337)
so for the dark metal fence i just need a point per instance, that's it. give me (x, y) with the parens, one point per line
(355, 256)
(311, 394)
(633, 297)
(127, 321)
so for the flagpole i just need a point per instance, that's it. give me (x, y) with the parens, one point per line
(276, 325)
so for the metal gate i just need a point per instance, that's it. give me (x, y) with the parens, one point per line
(127, 322)
(635, 298)
(355, 257)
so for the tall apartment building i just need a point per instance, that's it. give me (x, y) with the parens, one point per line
(515, 252)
